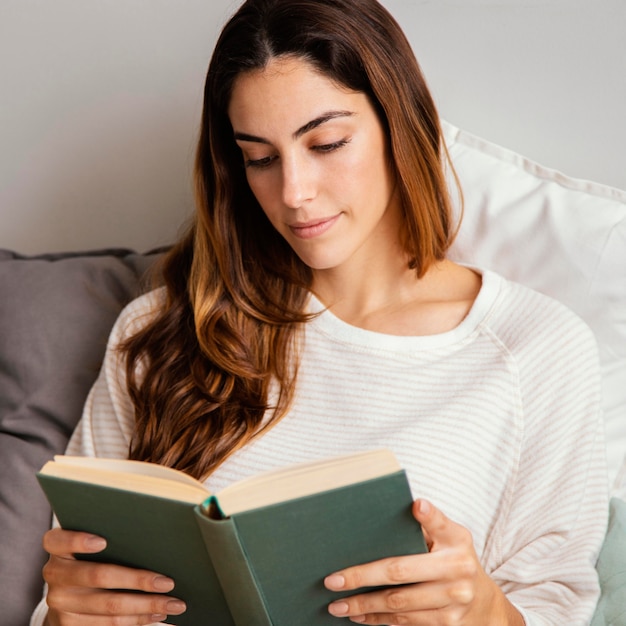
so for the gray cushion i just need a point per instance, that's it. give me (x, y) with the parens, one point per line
(56, 312)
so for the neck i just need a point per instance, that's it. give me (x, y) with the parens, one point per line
(392, 300)
(353, 293)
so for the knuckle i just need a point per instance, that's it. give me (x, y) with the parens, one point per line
(360, 604)
(96, 576)
(467, 567)
(50, 570)
(462, 593)
(54, 599)
(47, 541)
(398, 570)
(145, 581)
(455, 617)
(158, 606)
(55, 571)
(52, 539)
(396, 600)
(354, 578)
(112, 605)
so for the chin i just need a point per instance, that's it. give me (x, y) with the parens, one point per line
(323, 256)
(320, 264)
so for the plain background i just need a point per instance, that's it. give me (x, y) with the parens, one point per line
(100, 102)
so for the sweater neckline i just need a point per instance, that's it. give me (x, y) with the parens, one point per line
(329, 324)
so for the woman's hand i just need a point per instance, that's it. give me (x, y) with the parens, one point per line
(81, 593)
(445, 587)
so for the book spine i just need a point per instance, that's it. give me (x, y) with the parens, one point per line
(240, 587)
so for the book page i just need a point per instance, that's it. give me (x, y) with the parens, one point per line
(137, 476)
(129, 467)
(305, 479)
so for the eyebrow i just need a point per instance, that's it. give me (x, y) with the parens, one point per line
(308, 127)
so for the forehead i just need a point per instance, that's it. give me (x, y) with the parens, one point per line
(287, 90)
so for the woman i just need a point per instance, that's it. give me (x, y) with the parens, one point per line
(311, 310)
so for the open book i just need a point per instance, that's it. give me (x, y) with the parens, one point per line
(252, 493)
(257, 552)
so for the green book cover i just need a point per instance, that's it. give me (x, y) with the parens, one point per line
(272, 561)
(259, 567)
(146, 532)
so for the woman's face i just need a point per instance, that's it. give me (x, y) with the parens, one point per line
(317, 162)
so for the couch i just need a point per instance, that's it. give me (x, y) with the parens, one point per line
(561, 236)
(56, 311)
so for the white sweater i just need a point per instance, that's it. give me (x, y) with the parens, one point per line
(497, 422)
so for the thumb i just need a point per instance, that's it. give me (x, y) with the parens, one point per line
(438, 529)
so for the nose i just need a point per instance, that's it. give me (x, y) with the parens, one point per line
(298, 182)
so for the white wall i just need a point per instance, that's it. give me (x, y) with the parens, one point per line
(546, 78)
(100, 102)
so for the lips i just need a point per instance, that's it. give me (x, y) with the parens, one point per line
(314, 228)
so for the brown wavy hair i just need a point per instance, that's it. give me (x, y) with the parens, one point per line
(218, 361)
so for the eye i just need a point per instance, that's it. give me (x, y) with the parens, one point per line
(330, 147)
(260, 163)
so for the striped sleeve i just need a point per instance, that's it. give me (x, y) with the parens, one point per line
(553, 529)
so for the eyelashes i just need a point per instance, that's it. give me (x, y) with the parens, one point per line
(330, 147)
(326, 148)
(260, 163)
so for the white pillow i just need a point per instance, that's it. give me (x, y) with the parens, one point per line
(561, 236)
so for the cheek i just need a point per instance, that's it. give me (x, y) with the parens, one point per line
(363, 177)
(260, 189)
(265, 193)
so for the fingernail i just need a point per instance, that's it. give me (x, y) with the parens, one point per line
(359, 619)
(163, 583)
(338, 608)
(335, 581)
(158, 617)
(95, 543)
(175, 607)
(424, 507)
